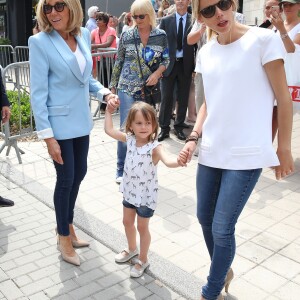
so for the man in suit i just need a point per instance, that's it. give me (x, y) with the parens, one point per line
(5, 114)
(177, 26)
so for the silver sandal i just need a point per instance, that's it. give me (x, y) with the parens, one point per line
(121, 258)
(134, 272)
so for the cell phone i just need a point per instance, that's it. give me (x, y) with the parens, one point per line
(275, 8)
(265, 24)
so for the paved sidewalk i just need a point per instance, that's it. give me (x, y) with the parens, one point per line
(267, 264)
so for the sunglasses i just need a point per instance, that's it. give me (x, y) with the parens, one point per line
(99, 19)
(209, 11)
(59, 7)
(142, 17)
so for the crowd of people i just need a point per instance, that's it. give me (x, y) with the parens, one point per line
(204, 48)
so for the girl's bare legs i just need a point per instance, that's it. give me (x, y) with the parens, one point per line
(145, 239)
(130, 230)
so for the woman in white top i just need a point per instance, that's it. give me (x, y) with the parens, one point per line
(289, 29)
(242, 69)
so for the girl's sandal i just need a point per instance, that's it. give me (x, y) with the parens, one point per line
(134, 272)
(125, 255)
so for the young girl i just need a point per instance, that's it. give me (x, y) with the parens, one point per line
(139, 186)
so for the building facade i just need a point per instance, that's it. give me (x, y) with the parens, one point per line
(16, 16)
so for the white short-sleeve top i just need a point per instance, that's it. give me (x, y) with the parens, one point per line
(140, 184)
(237, 132)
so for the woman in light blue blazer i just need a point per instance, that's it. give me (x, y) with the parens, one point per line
(60, 82)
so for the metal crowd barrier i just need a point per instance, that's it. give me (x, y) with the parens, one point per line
(9, 55)
(105, 59)
(19, 86)
(21, 53)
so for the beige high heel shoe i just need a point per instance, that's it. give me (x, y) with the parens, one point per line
(228, 279)
(66, 254)
(77, 243)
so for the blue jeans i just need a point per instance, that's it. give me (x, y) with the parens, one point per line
(68, 179)
(221, 197)
(126, 102)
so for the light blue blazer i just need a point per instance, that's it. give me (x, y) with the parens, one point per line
(59, 91)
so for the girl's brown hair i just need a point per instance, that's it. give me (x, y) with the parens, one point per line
(75, 16)
(148, 113)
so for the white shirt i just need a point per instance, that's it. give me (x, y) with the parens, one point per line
(178, 16)
(140, 185)
(237, 133)
(80, 59)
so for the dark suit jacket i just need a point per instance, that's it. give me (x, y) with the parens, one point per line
(3, 97)
(168, 24)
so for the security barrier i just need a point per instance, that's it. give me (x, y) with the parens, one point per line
(105, 59)
(21, 53)
(19, 85)
(9, 55)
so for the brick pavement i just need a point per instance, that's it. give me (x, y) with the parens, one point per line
(267, 264)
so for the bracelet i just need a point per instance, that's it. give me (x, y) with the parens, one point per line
(196, 132)
(284, 36)
(192, 138)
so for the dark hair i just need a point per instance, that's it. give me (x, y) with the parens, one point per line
(103, 16)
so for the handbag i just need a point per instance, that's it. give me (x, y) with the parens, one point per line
(150, 93)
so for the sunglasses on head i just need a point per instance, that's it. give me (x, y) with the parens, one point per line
(142, 17)
(209, 11)
(99, 19)
(59, 7)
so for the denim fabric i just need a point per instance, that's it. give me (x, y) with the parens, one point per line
(69, 176)
(126, 102)
(221, 197)
(142, 211)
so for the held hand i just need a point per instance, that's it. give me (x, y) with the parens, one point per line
(189, 147)
(113, 103)
(182, 158)
(5, 114)
(54, 150)
(286, 166)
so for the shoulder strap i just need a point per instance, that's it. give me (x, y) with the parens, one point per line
(137, 52)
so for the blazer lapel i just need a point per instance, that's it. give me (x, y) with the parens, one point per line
(66, 53)
(187, 24)
(174, 25)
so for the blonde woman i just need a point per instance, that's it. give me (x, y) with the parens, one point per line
(235, 122)
(60, 82)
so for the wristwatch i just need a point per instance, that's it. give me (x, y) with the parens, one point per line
(284, 35)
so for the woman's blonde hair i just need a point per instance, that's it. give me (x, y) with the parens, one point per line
(196, 15)
(143, 7)
(148, 113)
(75, 16)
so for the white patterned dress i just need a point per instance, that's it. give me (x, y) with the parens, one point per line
(140, 185)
